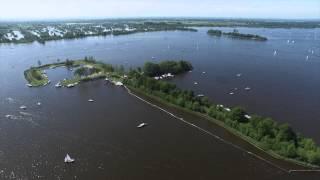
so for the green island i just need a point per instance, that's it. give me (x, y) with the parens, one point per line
(278, 140)
(236, 34)
(85, 70)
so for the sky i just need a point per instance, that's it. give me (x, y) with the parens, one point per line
(62, 9)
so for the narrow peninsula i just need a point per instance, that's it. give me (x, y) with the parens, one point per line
(277, 140)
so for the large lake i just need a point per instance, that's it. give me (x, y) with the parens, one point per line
(102, 136)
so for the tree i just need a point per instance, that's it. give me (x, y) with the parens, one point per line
(151, 69)
(286, 133)
(39, 63)
(69, 62)
(238, 114)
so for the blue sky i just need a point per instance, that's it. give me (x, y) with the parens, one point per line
(42, 9)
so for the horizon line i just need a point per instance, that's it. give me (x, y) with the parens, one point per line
(152, 17)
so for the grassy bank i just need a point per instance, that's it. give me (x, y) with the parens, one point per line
(36, 77)
(277, 139)
(235, 132)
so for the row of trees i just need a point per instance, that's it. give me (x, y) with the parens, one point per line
(266, 133)
(173, 67)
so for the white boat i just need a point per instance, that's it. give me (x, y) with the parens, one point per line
(247, 88)
(9, 116)
(39, 103)
(203, 72)
(200, 95)
(68, 159)
(23, 107)
(275, 53)
(90, 100)
(239, 75)
(231, 93)
(195, 83)
(29, 85)
(307, 58)
(70, 85)
(58, 85)
(247, 116)
(142, 125)
(119, 83)
(227, 109)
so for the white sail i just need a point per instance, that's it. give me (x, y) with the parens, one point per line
(68, 159)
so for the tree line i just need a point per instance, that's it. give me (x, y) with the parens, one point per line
(264, 132)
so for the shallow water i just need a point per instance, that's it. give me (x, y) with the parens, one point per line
(102, 136)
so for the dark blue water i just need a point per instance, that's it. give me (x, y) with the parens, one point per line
(102, 136)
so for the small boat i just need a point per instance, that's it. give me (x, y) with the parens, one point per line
(142, 125)
(195, 83)
(23, 107)
(153, 57)
(9, 116)
(247, 88)
(231, 93)
(227, 109)
(203, 72)
(239, 75)
(247, 116)
(106, 79)
(39, 103)
(29, 85)
(312, 51)
(119, 83)
(58, 85)
(90, 100)
(307, 58)
(70, 85)
(68, 159)
(200, 95)
(275, 53)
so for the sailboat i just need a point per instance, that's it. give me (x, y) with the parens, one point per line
(68, 159)
(307, 58)
(275, 52)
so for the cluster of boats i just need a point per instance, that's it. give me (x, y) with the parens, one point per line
(164, 76)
